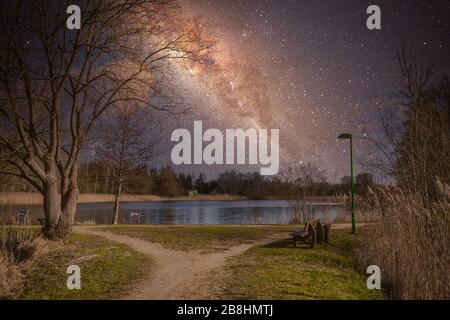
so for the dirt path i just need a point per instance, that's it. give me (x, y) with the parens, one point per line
(178, 274)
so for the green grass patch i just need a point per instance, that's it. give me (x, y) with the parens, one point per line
(279, 271)
(108, 270)
(199, 237)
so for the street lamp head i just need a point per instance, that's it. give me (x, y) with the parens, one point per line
(345, 136)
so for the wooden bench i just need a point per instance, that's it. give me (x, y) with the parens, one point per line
(313, 233)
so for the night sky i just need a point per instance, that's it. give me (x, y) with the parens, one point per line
(309, 68)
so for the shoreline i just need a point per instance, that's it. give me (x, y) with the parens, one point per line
(25, 198)
(33, 198)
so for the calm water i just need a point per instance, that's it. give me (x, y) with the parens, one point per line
(199, 212)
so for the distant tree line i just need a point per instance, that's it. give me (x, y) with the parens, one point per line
(98, 177)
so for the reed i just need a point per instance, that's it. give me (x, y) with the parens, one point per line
(409, 241)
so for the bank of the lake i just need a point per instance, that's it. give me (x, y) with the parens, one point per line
(34, 198)
(30, 198)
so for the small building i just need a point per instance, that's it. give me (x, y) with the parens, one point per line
(192, 193)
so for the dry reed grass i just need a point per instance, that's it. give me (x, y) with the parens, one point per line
(20, 248)
(409, 242)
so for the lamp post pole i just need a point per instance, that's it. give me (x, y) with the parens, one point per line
(353, 185)
(350, 137)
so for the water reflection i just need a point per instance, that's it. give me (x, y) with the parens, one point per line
(199, 212)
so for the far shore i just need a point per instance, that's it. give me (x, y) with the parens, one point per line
(25, 198)
(31, 198)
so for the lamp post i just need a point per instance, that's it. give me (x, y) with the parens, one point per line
(349, 136)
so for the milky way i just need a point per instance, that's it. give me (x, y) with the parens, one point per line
(309, 68)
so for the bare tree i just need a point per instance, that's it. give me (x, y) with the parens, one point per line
(414, 133)
(125, 142)
(307, 181)
(55, 83)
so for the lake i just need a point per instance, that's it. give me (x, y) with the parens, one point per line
(199, 212)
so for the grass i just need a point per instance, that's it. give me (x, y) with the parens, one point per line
(275, 271)
(278, 271)
(108, 270)
(199, 237)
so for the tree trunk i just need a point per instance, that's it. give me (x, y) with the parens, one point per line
(59, 212)
(68, 214)
(52, 209)
(117, 203)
